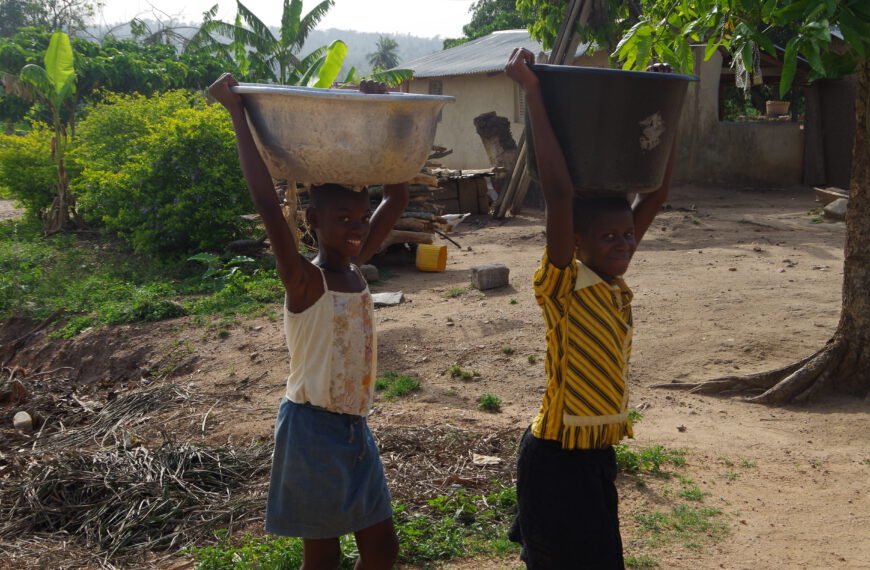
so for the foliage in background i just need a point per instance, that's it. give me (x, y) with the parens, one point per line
(27, 173)
(55, 85)
(93, 283)
(171, 185)
(385, 55)
(67, 16)
(662, 30)
(122, 66)
(488, 16)
(253, 49)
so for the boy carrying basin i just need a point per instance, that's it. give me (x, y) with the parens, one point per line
(567, 501)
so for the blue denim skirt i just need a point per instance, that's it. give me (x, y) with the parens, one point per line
(327, 478)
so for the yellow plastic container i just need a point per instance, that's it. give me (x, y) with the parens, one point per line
(431, 257)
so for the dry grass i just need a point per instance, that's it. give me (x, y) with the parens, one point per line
(423, 463)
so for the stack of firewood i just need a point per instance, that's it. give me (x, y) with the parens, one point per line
(421, 220)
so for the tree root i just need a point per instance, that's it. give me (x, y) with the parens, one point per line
(798, 382)
(758, 382)
(810, 380)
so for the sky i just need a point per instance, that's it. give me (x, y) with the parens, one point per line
(425, 18)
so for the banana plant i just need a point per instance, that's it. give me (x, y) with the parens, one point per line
(272, 58)
(55, 84)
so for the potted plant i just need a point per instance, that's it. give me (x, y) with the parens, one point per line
(776, 108)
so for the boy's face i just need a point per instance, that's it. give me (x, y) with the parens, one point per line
(607, 243)
(342, 222)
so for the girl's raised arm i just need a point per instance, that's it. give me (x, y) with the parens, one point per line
(292, 267)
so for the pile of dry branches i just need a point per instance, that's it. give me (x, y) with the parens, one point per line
(95, 492)
(123, 500)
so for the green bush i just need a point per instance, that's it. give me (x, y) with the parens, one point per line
(162, 173)
(27, 172)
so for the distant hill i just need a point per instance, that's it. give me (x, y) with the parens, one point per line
(359, 44)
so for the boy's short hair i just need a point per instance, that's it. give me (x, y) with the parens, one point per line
(323, 194)
(584, 209)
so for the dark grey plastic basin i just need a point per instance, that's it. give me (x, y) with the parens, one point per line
(615, 127)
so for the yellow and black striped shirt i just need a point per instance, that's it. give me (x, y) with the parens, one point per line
(588, 346)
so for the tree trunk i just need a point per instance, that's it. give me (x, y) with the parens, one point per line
(842, 366)
(854, 327)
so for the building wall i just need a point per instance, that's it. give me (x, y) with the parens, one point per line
(752, 154)
(475, 95)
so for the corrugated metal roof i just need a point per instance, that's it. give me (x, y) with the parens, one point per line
(483, 55)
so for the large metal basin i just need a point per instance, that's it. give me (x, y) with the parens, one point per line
(615, 127)
(346, 137)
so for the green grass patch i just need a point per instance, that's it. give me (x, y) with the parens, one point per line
(640, 561)
(684, 523)
(489, 402)
(455, 292)
(393, 385)
(650, 460)
(453, 526)
(457, 371)
(93, 281)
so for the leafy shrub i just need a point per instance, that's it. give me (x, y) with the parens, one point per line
(27, 172)
(162, 173)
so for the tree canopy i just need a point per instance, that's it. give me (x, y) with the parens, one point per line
(488, 16)
(53, 15)
(385, 55)
(663, 30)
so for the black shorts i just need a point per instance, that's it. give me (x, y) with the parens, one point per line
(567, 514)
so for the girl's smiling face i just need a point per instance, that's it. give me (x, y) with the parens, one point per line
(342, 224)
(607, 244)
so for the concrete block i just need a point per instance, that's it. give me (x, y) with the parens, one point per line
(388, 299)
(489, 276)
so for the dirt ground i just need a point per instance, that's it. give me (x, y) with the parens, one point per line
(727, 281)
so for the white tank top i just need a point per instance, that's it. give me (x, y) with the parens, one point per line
(333, 351)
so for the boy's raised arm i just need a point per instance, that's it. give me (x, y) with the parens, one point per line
(388, 211)
(552, 168)
(290, 264)
(647, 206)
